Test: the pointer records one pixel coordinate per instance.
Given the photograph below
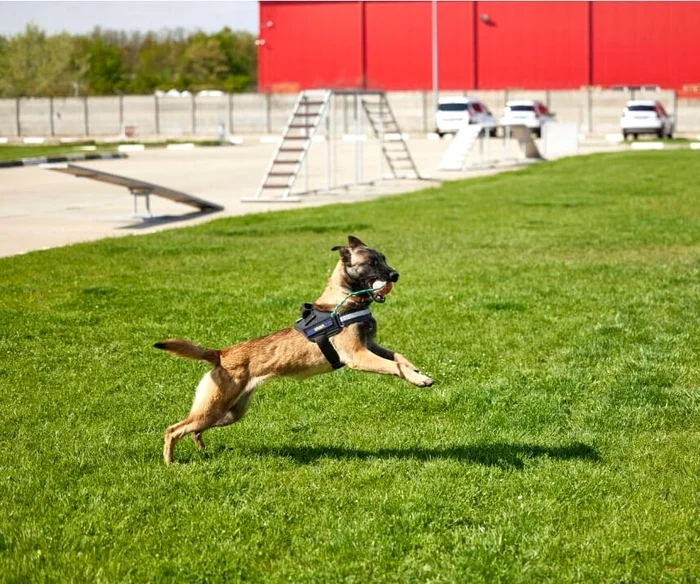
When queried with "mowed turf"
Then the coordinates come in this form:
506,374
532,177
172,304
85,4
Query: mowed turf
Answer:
556,308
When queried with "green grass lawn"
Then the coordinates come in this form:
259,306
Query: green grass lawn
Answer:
15,152
556,308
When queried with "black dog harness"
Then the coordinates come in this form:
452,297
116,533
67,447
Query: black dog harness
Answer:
318,326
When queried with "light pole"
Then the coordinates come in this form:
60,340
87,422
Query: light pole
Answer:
434,34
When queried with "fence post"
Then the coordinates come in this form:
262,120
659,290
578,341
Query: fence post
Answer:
194,115
230,113
425,111
51,114
122,130
157,114
85,115
590,110
268,112
17,122
675,110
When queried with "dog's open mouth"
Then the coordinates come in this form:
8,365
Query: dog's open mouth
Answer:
380,289
377,297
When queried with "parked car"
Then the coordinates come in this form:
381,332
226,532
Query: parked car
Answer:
645,116
452,112
531,113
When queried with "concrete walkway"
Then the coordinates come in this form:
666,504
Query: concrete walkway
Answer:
41,209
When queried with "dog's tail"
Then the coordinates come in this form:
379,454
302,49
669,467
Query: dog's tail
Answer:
189,350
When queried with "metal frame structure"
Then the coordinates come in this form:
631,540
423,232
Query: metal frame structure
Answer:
313,110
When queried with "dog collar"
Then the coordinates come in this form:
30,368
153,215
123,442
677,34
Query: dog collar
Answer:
318,326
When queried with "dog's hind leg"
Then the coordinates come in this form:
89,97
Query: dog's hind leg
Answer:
190,425
197,438
210,405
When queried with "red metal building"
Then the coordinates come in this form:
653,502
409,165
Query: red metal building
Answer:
416,45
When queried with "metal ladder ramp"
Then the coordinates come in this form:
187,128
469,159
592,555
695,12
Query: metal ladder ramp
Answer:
307,115
137,188
386,128
461,146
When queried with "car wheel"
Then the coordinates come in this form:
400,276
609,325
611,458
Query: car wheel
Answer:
660,133
537,132
624,136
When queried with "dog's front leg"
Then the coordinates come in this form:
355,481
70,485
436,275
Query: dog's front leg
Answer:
399,366
392,356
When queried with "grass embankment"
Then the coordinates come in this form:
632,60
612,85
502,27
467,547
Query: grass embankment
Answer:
18,152
556,308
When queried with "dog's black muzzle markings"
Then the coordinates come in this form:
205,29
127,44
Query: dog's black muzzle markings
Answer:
318,326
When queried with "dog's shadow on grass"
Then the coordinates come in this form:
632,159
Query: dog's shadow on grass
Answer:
499,454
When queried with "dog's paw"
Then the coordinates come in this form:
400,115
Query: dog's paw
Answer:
422,381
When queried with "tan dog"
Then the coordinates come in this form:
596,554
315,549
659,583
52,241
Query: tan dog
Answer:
223,394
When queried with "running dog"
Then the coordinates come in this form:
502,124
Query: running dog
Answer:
336,330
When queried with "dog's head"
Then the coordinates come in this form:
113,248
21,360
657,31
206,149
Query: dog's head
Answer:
363,266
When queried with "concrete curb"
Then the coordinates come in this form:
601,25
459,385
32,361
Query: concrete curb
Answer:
51,159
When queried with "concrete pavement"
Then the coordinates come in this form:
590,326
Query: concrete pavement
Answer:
41,209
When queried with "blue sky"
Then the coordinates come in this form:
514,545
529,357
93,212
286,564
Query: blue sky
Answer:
82,16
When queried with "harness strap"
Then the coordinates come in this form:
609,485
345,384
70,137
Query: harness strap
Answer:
319,326
329,352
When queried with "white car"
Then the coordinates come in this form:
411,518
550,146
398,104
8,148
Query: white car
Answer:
531,113
452,112
645,116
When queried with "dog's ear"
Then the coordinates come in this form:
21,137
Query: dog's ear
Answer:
345,253
354,242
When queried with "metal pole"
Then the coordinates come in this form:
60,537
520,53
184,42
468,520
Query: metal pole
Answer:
85,113
230,113
53,132
328,143
434,34
335,137
358,170
122,130
156,112
306,158
17,122
194,115
381,139
675,110
268,104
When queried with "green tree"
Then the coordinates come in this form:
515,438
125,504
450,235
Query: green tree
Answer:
104,68
108,62
32,64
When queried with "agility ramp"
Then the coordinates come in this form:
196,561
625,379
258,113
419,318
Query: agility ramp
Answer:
470,150
314,119
139,189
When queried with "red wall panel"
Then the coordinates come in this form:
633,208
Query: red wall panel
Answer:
646,43
398,45
489,44
310,45
456,45
532,45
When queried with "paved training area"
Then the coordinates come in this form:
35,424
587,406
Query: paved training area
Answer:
40,209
